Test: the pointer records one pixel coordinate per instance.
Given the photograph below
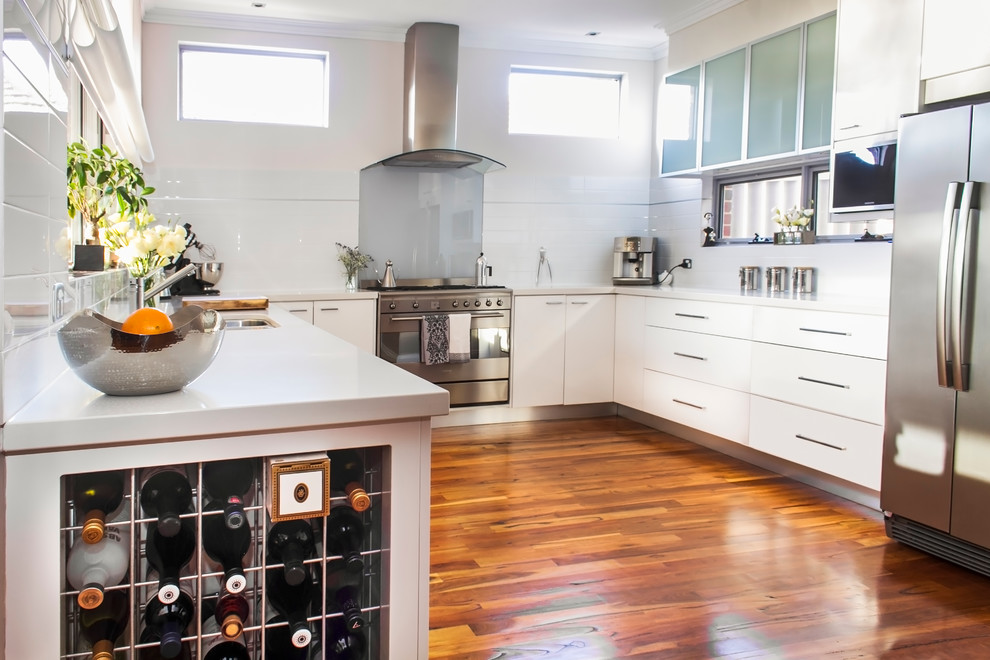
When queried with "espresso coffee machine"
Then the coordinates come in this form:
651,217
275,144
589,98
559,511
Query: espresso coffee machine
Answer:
634,260
201,282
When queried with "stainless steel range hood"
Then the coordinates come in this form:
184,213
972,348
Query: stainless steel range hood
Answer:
429,131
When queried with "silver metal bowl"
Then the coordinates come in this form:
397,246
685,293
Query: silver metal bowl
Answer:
125,364
209,271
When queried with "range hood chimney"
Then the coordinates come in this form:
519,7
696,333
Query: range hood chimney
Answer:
429,132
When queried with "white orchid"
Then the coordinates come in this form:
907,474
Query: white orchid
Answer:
139,245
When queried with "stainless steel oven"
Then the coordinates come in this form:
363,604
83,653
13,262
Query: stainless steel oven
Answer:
484,378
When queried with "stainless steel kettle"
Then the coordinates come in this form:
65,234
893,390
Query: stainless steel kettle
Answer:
388,279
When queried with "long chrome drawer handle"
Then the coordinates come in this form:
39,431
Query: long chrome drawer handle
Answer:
555,302
691,316
483,315
827,332
685,403
693,357
329,309
818,442
823,382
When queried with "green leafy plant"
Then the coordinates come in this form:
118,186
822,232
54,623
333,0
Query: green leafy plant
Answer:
100,183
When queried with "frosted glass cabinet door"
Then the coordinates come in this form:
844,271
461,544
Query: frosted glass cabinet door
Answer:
773,95
679,120
725,85
819,73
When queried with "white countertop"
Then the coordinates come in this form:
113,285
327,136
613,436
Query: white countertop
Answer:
830,303
273,379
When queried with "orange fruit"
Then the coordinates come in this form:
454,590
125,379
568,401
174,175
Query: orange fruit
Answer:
147,321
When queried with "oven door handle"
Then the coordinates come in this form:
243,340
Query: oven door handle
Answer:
481,315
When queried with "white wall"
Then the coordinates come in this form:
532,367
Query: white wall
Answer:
274,199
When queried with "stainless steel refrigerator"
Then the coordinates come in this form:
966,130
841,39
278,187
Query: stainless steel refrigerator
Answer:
935,488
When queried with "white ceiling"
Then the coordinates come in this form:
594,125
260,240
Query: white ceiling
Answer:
544,25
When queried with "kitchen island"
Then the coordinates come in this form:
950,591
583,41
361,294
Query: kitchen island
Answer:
272,392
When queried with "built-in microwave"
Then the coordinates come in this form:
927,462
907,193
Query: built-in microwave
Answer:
862,178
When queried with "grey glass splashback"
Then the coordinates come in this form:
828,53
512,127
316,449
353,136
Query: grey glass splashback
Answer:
428,221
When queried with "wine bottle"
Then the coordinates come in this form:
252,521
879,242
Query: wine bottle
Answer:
278,642
166,494
95,496
343,642
167,555
347,475
227,650
292,602
291,542
105,623
227,546
230,614
168,621
153,636
92,567
344,595
228,482
345,536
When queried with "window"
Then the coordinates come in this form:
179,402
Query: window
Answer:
252,85
559,102
746,201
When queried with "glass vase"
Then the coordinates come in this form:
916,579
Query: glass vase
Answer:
351,283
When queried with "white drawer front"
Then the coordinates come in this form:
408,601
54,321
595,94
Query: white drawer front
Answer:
709,408
711,318
841,384
852,334
844,448
723,361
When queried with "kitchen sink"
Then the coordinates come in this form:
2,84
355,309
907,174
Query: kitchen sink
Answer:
250,322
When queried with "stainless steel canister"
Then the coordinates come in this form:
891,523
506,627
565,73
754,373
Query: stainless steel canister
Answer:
803,279
776,279
749,278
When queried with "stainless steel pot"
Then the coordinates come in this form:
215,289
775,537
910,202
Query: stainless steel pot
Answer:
749,278
803,279
776,279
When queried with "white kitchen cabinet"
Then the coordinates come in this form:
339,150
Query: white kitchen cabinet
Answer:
630,322
351,320
837,332
842,447
886,34
955,51
562,349
302,309
709,318
722,361
716,410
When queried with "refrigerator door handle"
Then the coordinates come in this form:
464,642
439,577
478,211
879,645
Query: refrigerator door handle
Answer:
941,287
958,321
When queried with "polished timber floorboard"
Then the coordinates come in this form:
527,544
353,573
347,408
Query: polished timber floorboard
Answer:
601,538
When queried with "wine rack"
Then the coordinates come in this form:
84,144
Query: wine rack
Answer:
202,578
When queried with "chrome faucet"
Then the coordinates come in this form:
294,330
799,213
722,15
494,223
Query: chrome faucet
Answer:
141,296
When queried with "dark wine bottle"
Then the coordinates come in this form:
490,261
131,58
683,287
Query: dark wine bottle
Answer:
227,546
344,595
231,612
168,554
343,642
166,494
292,602
278,642
345,536
347,475
168,621
228,482
95,496
153,636
227,650
291,542
102,625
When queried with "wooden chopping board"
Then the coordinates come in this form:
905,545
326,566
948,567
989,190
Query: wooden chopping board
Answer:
225,303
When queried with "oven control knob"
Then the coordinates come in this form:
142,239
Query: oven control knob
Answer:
391,305
454,303
477,303
499,302
488,303
467,302
415,305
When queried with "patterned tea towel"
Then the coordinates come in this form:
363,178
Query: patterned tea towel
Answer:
436,339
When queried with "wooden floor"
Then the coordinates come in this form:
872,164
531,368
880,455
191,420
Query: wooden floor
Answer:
601,538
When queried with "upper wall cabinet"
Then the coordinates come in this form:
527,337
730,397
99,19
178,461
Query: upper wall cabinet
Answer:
955,51
877,60
771,98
